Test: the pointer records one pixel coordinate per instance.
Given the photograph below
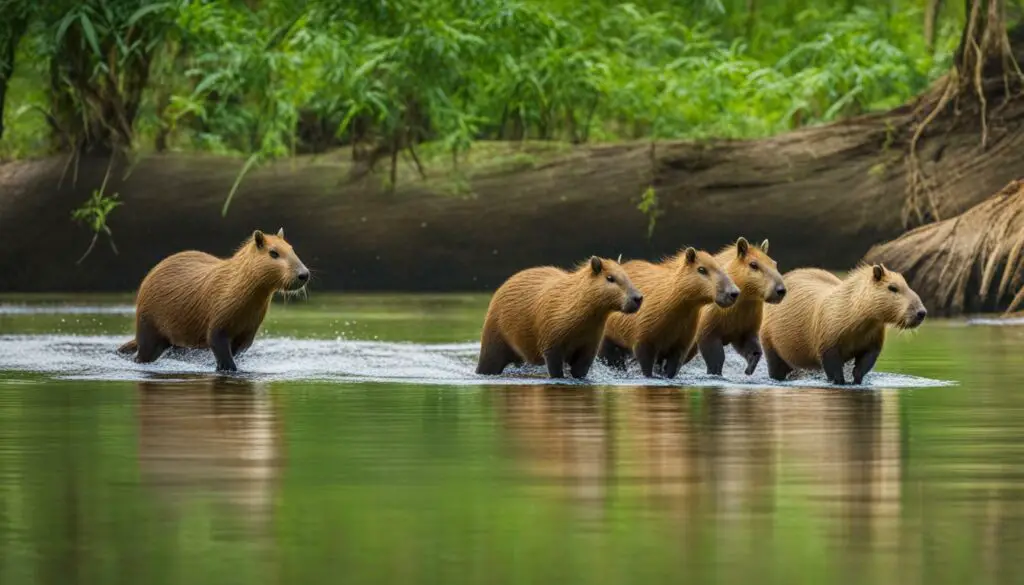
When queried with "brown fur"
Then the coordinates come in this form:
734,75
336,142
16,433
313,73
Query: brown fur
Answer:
195,300
665,329
546,315
824,322
756,275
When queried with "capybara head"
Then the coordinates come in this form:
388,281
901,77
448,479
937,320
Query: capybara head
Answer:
701,273
756,273
277,261
890,299
610,284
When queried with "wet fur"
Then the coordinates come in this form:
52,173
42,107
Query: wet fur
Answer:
547,315
739,324
825,321
196,300
664,329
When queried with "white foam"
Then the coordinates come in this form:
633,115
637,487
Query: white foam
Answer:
996,321
38,309
280,358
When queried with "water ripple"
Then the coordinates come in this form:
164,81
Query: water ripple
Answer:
281,358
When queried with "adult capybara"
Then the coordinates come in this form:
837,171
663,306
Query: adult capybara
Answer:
195,300
757,276
665,329
825,322
547,315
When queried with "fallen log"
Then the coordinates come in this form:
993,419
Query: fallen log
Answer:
971,263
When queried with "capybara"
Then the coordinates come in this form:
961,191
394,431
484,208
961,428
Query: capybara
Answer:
825,322
547,315
665,329
193,299
757,276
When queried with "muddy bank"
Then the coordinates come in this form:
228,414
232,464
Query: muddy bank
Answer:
823,196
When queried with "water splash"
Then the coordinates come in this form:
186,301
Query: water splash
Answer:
996,321
280,358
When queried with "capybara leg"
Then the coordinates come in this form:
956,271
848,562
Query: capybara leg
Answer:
750,349
242,342
713,352
613,354
581,361
645,354
220,343
778,369
495,354
863,364
670,363
555,361
151,343
832,363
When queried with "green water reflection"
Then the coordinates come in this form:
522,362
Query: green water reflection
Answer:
231,481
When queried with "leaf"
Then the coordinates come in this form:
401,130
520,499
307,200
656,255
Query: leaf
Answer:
148,9
90,34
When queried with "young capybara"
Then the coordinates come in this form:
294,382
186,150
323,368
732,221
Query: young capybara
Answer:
195,300
757,276
665,329
825,322
547,315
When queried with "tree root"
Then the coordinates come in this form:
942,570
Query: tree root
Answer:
972,262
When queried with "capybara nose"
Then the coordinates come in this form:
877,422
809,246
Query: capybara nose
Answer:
304,276
780,292
638,300
921,315
734,294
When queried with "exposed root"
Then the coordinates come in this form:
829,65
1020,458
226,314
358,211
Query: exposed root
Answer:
972,262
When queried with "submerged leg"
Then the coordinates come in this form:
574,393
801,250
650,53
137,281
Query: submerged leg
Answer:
713,352
555,360
778,369
220,343
151,344
613,354
645,354
495,354
750,349
832,363
863,364
581,361
671,362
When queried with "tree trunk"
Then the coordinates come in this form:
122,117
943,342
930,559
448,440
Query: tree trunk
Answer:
969,263
13,30
931,21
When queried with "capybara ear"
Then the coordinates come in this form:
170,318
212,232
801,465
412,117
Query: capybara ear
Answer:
595,264
742,246
691,255
257,237
764,246
878,271
280,232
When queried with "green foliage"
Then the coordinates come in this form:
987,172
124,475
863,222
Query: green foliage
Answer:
294,76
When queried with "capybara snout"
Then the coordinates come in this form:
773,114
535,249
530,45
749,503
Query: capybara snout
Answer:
727,292
633,301
780,293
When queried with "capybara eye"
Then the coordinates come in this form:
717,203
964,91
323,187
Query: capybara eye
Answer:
610,278
274,254
753,265
702,270
894,288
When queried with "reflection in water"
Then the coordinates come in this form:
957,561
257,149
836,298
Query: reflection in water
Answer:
214,441
689,456
561,434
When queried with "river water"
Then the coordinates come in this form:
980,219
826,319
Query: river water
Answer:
357,446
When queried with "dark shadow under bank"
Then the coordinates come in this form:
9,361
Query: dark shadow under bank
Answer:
823,196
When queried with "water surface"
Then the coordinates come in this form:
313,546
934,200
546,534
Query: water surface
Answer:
357,446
